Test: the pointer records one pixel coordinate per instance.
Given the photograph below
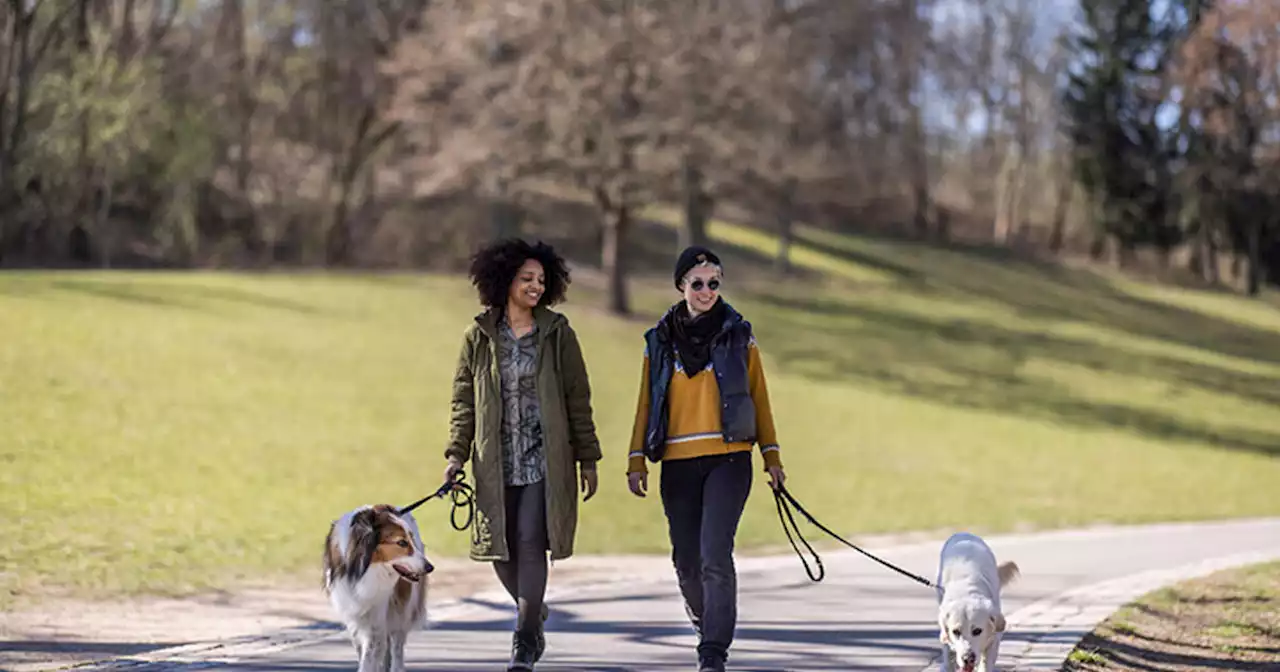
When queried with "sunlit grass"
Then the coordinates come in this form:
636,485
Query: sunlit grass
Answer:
167,431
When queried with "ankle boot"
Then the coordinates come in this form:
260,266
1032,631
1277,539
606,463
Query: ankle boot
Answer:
522,654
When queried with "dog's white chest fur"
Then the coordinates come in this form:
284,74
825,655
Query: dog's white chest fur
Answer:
370,602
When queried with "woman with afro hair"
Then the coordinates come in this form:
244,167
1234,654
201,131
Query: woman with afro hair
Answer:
521,415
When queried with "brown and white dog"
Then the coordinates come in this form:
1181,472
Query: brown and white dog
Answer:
375,574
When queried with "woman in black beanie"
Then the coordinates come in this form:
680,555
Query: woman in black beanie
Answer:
703,405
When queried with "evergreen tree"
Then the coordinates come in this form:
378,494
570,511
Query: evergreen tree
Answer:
1113,102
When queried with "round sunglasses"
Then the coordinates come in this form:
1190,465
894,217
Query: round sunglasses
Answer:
697,285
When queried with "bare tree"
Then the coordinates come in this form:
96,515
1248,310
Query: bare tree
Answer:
565,91
1229,71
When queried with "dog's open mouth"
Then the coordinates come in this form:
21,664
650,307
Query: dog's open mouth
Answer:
969,667
406,574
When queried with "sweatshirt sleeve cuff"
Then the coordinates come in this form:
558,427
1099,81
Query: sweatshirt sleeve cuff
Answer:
772,456
636,465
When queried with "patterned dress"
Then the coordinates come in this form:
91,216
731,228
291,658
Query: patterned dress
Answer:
522,454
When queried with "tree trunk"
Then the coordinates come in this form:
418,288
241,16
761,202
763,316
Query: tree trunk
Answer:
84,207
102,228
1098,246
786,226
1207,253
338,238
504,217
617,221
1009,196
914,146
21,42
1255,255
1057,235
697,206
1126,253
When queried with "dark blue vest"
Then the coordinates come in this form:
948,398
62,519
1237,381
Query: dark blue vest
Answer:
729,363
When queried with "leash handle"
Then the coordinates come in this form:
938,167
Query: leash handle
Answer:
783,510
462,496
782,493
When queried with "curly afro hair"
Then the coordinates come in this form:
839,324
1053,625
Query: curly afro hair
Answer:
494,268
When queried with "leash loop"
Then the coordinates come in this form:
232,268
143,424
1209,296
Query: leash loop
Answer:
785,501
785,516
462,496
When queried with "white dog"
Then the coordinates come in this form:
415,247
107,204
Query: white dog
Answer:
375,571
970,619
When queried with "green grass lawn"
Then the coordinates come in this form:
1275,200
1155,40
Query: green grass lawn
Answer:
166,431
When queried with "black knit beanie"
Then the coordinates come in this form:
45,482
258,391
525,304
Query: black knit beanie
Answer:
692,256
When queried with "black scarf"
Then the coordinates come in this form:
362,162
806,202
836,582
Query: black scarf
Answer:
693,335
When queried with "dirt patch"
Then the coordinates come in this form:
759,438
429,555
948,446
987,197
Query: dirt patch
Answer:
1226,621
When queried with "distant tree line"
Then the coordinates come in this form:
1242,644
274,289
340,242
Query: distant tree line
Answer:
1174,118
231,133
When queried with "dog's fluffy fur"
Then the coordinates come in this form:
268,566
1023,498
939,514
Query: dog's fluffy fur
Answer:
375,575
971,622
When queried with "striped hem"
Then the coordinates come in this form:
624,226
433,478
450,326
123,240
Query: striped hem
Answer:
694,437
772,446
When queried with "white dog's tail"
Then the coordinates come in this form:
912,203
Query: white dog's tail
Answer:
1008,571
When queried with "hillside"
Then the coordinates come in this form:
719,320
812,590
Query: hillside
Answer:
172,431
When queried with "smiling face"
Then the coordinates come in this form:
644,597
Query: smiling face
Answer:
701,287
968,627
528,285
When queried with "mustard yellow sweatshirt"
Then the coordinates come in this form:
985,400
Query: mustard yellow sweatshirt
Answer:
693,423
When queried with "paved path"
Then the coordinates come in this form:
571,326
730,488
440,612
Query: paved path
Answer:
862,616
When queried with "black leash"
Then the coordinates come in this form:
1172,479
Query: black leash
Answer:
783,498
463,497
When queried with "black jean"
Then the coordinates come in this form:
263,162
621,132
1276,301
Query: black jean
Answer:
703,498
524,574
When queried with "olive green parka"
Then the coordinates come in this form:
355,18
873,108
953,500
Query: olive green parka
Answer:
568,430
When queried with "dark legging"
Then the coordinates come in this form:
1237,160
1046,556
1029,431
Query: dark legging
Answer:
524,574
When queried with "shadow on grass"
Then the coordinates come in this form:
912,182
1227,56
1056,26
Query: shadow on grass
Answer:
1050,292
156,293
1147,653
978,365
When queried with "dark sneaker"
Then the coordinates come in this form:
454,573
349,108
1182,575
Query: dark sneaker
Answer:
711,661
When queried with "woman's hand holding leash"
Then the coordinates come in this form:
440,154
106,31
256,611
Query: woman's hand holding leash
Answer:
451,471
776,477
590,479
457,490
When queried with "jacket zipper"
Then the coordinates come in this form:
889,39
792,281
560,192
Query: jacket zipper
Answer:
546,453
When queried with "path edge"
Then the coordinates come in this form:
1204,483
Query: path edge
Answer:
1063,620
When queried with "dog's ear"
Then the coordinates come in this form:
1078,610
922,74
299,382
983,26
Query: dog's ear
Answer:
998,622
364,542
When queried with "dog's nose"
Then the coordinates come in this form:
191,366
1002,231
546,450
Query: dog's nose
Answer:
429,568
970,658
